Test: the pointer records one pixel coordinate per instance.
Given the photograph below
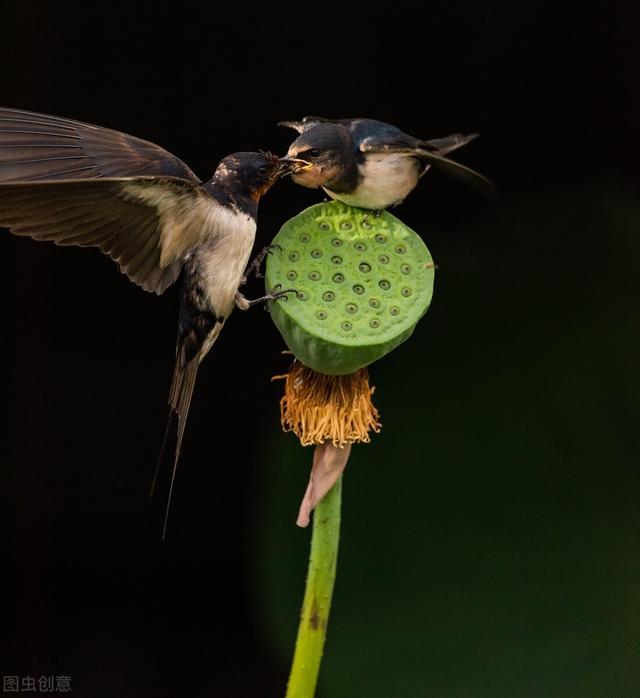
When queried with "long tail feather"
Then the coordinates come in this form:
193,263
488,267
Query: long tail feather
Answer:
163,447
184,380
180,394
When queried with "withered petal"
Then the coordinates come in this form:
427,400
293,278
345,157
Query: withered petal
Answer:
329,462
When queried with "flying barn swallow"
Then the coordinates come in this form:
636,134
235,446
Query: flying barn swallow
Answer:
368,163
79,184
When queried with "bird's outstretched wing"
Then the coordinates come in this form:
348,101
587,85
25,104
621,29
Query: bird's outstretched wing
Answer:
35,147
145,224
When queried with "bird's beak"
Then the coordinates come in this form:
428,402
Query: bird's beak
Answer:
291,165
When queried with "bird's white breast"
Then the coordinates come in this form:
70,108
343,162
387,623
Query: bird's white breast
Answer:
224,258
387,178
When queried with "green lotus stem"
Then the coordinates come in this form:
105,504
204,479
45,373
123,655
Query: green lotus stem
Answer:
317,596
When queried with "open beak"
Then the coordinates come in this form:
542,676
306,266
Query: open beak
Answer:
291,165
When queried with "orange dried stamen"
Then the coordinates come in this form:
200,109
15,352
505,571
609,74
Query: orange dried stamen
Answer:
317,407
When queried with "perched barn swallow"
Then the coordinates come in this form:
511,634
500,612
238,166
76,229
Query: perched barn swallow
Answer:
78,184
370,164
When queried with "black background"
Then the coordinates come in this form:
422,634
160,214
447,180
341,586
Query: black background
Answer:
517,395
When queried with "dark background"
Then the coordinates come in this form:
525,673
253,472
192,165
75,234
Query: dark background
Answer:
490,536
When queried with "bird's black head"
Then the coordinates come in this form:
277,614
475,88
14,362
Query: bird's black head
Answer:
321,156
249,174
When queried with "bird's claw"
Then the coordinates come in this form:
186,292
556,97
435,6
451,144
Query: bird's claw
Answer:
276,293
255,264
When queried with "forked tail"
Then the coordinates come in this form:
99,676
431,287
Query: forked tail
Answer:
180,394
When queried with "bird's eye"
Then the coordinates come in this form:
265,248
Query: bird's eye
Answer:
314,153
263,170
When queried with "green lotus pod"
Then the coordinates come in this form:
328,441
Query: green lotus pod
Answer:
363,283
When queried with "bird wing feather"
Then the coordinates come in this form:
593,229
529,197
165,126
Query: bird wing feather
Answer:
36,147
306,123
145,224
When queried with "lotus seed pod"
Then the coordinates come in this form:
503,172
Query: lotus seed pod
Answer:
363,283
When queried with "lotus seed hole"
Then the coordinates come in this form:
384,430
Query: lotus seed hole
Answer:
314,275
401,249
360,246
381,238
325,226
302,296
351,308
374,303
346,225
304,237
316,253
338,278
336,242
405,269
383,259
406,292
367,225
294,256
291,275
321,315
384,284
374,322
364,267
336,260
328,296
346,326
358,289
394,310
